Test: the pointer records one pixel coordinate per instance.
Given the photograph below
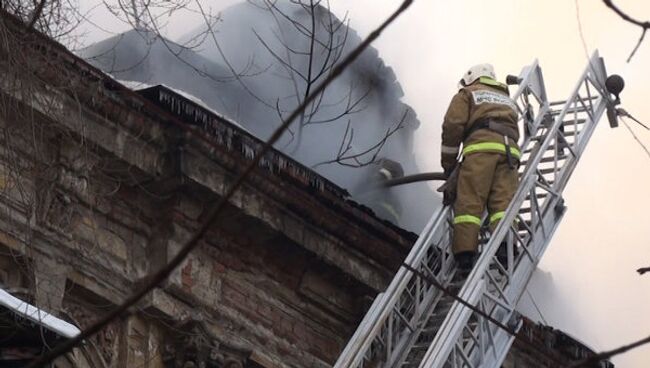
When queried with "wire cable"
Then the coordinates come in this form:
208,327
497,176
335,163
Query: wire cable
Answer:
536,307
636,137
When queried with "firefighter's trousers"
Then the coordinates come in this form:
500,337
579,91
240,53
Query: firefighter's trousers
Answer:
485,179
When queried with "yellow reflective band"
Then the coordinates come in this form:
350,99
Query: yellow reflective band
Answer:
463,219
497,216
490,146
491,82
391,210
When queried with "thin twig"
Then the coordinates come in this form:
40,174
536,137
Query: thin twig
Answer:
154,280
636,138
37,14
344,154
643,270
644,25
637,45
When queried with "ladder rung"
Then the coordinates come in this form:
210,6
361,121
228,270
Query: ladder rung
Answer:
547,159
538,195
571,110
562,102
549,170
570,133
572,122
527,222
550,148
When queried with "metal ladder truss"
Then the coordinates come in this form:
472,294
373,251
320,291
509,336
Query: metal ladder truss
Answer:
413,324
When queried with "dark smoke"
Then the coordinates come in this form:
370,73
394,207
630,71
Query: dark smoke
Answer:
264,85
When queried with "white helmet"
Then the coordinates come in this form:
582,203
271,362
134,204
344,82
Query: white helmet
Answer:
476,72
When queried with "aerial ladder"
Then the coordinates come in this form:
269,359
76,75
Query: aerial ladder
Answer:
414,324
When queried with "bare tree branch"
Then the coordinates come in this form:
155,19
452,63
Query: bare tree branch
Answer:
644,25
643,270
306,65
344,155
155,279
37,14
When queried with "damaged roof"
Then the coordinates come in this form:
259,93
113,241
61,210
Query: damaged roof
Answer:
112,100
237,139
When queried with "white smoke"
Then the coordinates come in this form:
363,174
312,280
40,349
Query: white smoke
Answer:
265,49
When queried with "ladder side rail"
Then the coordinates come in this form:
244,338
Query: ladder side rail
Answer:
455,320
531,77
539,241
580,143
356,342
593,76
524,271
445,268
502,342
552,218
521,274
426,301
448,335
531,83
374,321
458,316
444,277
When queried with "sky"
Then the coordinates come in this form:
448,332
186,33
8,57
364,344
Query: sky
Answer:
596,295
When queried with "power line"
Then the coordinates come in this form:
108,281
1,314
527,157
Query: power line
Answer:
536,307
582,36
623,112
635,137
155,279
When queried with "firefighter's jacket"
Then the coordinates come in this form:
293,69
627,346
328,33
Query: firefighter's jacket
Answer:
483,99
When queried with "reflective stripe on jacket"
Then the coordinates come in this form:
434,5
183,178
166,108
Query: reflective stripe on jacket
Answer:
491,147
483,99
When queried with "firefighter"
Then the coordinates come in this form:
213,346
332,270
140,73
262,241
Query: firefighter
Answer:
386,205
380,199
483,118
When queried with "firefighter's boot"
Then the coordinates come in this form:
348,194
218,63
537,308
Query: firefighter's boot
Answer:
465,261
